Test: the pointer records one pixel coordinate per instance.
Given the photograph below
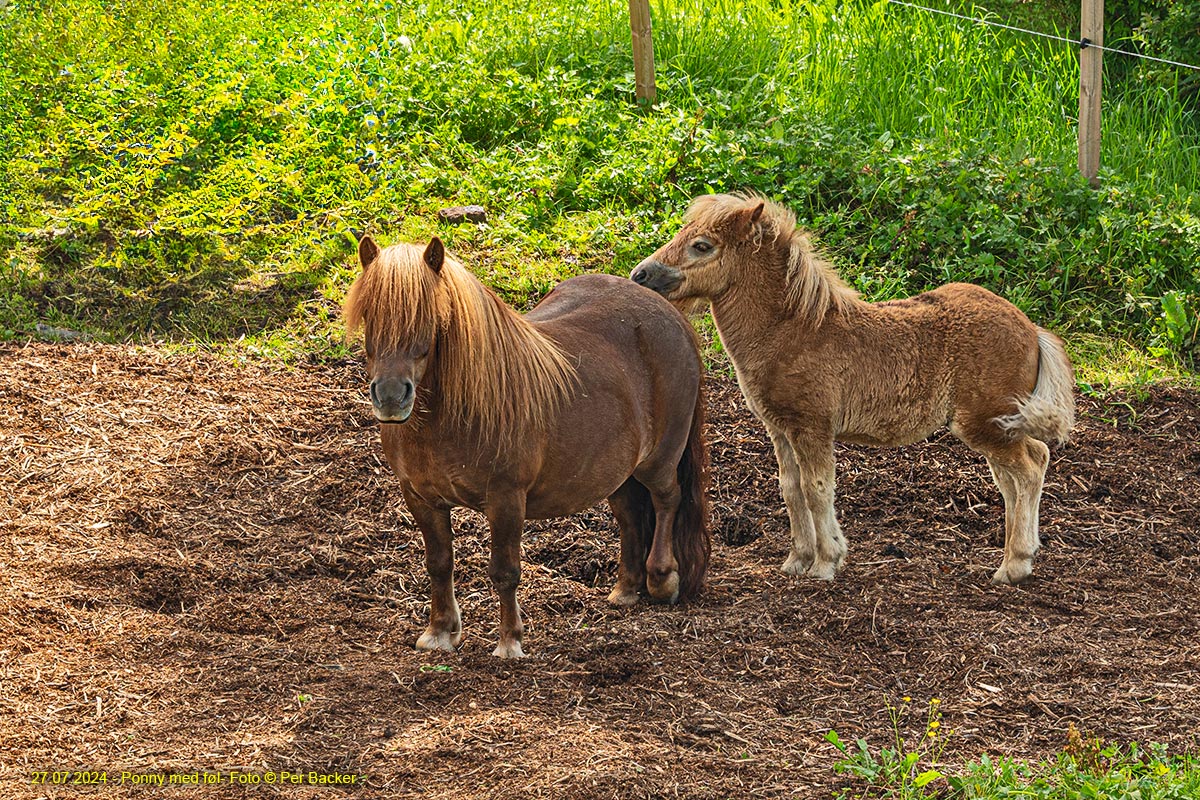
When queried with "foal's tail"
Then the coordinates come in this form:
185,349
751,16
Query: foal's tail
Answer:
691,535
1049,413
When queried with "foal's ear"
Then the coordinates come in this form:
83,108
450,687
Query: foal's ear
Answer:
749,219
435,254
368,251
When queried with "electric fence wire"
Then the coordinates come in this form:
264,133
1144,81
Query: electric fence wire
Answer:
1082,43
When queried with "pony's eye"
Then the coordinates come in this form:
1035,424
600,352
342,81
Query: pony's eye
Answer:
702,246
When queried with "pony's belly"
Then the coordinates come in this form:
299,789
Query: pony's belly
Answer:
893,432
559,493
892,439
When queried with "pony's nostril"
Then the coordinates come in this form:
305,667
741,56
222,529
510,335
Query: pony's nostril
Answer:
408,391
639,276
374,393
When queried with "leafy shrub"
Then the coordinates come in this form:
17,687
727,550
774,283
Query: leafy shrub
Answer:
185,170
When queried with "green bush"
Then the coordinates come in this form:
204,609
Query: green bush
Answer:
195,172
1170,29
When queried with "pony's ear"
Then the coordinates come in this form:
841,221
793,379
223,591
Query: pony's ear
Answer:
748,219
435,254
368,251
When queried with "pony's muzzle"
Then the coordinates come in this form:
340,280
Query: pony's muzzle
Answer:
392,398
657,277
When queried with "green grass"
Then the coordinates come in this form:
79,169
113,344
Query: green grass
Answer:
182,172
911,767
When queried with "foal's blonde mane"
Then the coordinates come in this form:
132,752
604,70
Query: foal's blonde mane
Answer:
813,285
492,367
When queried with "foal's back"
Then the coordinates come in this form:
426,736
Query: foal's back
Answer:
958,355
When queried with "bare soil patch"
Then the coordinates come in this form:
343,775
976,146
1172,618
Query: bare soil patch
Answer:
205,566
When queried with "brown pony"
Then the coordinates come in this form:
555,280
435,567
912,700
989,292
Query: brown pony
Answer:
595,393
818,364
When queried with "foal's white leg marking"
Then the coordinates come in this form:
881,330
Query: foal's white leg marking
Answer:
819,475
831,544
804,535
1021,486
622,597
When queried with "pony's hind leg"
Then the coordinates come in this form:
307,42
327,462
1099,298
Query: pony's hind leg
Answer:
445,621
506,517
662,570
629,505
807,484
1019,470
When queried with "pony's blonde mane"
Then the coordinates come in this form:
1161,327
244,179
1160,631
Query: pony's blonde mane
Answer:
491,366
813,285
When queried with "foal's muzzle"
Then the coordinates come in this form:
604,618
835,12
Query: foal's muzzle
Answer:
392,398
657,277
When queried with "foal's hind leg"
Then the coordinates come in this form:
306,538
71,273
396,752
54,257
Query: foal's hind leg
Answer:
631,572
1019,469
445,621
806,480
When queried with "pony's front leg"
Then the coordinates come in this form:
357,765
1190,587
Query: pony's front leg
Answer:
445,620
818,475
804,534
806,479
662,569
506,517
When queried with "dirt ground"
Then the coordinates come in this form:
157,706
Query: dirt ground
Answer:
206,567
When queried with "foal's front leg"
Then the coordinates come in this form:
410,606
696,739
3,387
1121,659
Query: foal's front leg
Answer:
506,517
804,534
445,620
806,479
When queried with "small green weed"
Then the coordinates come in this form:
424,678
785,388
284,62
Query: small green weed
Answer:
908,768
1086,769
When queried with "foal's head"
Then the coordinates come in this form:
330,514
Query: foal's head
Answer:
701,262
728,239
396,304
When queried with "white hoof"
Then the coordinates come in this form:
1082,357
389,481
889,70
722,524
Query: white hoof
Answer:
439,640
823,570
796,564
623,598
1013,572
509,649
667,591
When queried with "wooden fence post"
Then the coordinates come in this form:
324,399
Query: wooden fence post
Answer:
1091,32
643,50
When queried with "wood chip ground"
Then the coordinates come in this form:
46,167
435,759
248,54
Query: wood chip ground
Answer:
206,566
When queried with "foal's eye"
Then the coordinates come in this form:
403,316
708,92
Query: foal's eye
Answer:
702,246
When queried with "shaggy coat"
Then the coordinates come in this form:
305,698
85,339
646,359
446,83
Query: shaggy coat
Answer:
596,393
818,364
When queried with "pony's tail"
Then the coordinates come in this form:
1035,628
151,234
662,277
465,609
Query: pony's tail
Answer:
1049,413
691,537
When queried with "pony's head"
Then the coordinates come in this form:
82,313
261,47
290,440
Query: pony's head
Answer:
427,321
398,304
728,239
